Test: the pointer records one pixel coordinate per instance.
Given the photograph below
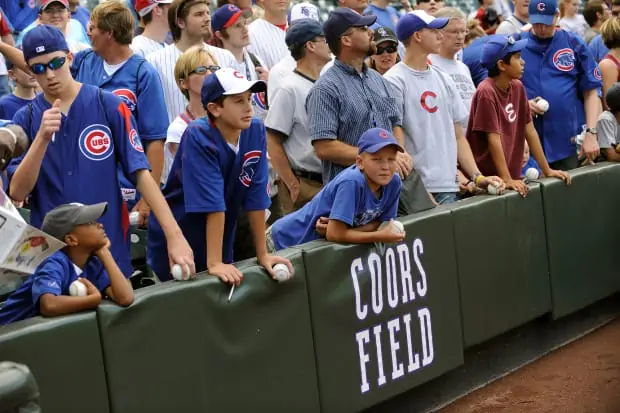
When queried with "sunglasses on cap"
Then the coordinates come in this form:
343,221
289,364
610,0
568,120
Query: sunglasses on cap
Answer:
54,64
387,49
201,70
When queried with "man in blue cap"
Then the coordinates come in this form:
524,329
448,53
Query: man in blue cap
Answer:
288,136
560,69
350,98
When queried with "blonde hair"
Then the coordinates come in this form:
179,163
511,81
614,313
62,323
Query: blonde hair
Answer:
474,31
450,13
562,6
188,62
115,17
610,32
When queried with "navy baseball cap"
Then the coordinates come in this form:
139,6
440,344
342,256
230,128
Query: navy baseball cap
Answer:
226,82
341,19
226,16
497,47
373,140
543,11
418,20
43,39
303,31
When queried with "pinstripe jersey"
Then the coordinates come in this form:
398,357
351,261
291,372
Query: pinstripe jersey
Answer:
267,42
143,46
164,60
343,104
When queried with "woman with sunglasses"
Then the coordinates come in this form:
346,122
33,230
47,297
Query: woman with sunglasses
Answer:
189,72
387,51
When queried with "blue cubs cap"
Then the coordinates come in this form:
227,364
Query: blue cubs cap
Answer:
341,19
302,11
418,20
497,47
373,140
303,31
43,39
226,16
225,82
543,11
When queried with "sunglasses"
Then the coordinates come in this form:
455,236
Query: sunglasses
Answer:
201,70
54,64
387,49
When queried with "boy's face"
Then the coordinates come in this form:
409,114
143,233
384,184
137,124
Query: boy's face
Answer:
515,69
53,81
238,33
430,40
380,166
90,236
22,78
235,111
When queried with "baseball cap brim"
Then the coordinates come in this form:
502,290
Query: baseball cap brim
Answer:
254,86
438,23
378,146
516,47
386,40
90,213
542,19
365,21
52,2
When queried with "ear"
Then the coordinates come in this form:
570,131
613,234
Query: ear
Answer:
214,109
218,35
71,240
359,162
345,41
184,84
501,65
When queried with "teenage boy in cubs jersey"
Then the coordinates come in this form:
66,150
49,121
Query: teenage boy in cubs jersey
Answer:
79,137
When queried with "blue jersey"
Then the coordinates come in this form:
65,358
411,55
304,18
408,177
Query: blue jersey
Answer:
598,48
20,13
559,70
53,276
96,137
82,15
387,17
10,104
471,57
207,176
346,198
77,32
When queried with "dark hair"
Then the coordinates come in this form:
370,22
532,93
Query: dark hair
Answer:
183,7
298,51
494,71
220,102
613,98
591,11
217,42
334,45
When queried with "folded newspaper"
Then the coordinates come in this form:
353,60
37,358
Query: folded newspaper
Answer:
22,247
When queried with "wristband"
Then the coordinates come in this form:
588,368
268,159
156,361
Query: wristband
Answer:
10,132
478,177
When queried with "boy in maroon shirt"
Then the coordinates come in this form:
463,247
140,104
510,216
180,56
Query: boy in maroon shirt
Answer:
500,120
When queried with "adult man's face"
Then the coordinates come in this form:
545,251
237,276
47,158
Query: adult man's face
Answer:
357,5
360,40
56,14
454,35
544,31
430,6
276,7
198,22
522,7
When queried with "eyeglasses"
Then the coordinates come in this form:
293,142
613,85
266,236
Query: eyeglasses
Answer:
54,64
201,70
388,49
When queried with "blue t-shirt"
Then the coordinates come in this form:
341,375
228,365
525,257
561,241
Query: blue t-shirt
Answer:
598,48
471,57
387,17
207,176
531,163
77,32
53,276
346,198
82,15
20,13
10,104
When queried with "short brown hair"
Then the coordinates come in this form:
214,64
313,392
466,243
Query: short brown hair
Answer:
188,62
114,17
592,10
179,9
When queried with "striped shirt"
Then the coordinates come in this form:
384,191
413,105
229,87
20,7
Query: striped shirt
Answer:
343,104
164,61
267,42
144,46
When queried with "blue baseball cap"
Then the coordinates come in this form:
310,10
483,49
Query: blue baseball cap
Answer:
543,11
303,31
418,20
225,82
497,47
341,19
226,16
373,140
43,39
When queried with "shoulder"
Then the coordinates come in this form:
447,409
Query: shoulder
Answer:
606,116
395,71
57,262
159,55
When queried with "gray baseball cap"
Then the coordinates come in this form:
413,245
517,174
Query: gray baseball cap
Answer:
61,220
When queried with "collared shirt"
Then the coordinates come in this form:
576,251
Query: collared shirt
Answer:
343,104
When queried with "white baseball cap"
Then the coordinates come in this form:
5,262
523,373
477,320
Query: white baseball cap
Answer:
144,7
304,11
225,82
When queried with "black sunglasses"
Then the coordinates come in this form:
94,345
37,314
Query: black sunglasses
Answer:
54,64
201,70
387,49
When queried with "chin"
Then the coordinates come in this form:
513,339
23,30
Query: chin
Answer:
244,124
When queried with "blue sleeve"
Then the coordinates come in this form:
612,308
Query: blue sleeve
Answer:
21,118
127,144
258,194
77,62
95,273
391,204
48,279
153,119
203,183
588,70
345,202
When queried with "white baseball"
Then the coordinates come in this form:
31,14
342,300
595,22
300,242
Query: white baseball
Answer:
397,226
531,173
542,105
492,189
77,289
134,217
282,272
177,273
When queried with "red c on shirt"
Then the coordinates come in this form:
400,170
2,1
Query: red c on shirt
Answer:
425,106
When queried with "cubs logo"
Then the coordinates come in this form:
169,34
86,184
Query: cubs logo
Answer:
96,142
425,105
564,60
128,97
541,7
597,73
232,7
135,141
258,100
238,75
248,167
383,134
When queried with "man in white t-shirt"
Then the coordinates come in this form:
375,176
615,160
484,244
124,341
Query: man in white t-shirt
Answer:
267,33
154,16
190,23
518,20
453,41
432,110
288,140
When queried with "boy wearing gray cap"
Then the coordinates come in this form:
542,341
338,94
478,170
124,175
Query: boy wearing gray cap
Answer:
46,292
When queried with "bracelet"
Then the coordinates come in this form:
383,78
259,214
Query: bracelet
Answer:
10,132
478,177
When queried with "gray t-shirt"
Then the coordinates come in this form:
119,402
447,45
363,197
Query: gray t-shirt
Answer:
459,72
607,130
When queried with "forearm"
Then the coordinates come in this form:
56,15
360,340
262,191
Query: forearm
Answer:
14,55
152,195
611,155
592,105
352,236
120,290
279,160
497,154
57,305
8,39
155,155
27,173
533,141
370,227
399,134
466,157
335,151
257,225
215,237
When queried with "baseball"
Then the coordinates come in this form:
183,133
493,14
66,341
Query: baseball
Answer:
282,272
133,218
492,189
77,289
542,105
531,173
397,226
177,273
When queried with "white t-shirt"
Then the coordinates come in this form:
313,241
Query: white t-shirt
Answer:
511,25
143,46
175,131
287,114
247,68
267,42
431,106
576,24
459,72
608,130
164,60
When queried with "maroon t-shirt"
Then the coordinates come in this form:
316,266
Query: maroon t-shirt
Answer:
503,112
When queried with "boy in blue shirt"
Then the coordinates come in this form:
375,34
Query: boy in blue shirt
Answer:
24,93
220,167
356,201
87,254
